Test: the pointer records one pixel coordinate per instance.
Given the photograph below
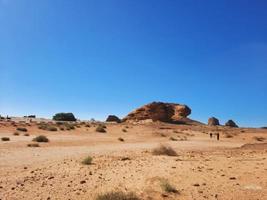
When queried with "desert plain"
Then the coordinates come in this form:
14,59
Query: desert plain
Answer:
234,167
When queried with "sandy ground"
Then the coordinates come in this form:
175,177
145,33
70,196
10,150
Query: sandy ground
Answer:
233,168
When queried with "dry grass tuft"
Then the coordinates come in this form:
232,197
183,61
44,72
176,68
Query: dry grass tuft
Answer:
5,139
260,139
33,145
163,150
47,127
40,138
87,161
101,128
22,129
167,187
118,196
172,139
16,133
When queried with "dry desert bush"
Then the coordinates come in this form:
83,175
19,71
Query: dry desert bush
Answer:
16,133
22,129
41,138
101,128
5,139
172,139
167,187
121,139
260,139
33,145
164,150
47,127
118,196
87,161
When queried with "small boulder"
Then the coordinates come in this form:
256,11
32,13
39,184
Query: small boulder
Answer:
231,123
213,122
113,118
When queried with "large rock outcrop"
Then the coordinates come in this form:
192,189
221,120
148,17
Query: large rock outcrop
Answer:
231,123
213,122
159,111
64,117
113,118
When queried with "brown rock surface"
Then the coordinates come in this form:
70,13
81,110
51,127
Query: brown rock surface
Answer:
113,118
213,121
231,123
159,111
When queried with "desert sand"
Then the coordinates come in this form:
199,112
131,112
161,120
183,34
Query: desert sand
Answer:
235,167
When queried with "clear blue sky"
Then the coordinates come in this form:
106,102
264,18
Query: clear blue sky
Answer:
100,57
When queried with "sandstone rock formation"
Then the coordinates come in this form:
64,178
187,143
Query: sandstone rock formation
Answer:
231,123
213,122
159,111
113,118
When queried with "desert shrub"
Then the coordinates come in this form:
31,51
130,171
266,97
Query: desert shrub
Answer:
5,139
167,187
59,123
100,129
228,135
52,128
47,127
118,196
102,125
124,130
22,129
87,161
69,126
162,135
26,134
260,139
121,139
64,117
172,139
163,150
33,145
61,128
43,126
16,133
87,125
40,138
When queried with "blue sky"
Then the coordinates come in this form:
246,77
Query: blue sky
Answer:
100,57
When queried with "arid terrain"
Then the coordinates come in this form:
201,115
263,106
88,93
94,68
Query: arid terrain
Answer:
235,167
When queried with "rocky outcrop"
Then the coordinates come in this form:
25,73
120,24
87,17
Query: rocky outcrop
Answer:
159,111
231,123
213,122
113,118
